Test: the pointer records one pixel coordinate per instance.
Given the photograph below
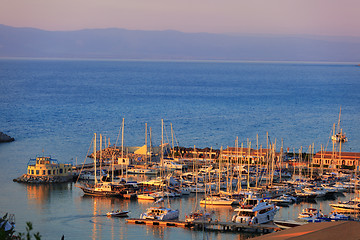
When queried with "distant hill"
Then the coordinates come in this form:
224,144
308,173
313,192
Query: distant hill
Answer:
130,44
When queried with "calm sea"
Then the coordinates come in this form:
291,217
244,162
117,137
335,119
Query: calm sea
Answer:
55,106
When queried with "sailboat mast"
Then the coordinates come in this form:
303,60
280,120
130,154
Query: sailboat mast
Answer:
100,157
220,173
95,157
248,164
146,151
122,139
162,143
172,141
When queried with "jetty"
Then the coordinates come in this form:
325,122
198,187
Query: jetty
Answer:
208,225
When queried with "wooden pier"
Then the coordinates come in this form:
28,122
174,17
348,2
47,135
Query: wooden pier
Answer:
165,223
208,225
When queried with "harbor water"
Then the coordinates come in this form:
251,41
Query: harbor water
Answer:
53,107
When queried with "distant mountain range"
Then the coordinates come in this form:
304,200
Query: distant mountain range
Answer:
116,43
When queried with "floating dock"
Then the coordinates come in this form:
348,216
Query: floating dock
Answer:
208,225
164,223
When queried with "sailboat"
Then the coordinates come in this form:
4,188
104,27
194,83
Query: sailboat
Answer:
161,212
339,136
108,189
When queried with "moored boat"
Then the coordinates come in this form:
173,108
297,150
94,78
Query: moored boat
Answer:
352,206
286,224
258,213
215,200
199,215
160,213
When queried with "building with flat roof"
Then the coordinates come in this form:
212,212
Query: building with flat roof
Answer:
330,159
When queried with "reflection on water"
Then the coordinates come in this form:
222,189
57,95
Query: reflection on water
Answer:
40,195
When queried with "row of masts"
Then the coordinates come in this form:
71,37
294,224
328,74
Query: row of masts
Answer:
270,159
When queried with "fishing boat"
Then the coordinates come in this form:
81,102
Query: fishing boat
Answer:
160,213
117,213
261,212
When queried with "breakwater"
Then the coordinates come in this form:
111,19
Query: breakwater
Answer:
25,178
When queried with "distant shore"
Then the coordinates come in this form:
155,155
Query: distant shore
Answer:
5,138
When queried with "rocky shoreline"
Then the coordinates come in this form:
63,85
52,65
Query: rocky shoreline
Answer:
25,178
5,138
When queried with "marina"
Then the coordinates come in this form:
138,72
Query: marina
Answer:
224,149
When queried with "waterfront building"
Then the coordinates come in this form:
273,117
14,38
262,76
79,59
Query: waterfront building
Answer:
248,154
330,159
46,166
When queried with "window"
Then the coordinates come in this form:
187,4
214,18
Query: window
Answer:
37,172
54,172
44,171
32,171
29,171
61,171
49,172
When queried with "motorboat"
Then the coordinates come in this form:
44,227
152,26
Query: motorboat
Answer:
160,213
284,200
261,212
311,215
149,196
286,224
117,213
335,216
199,216
215,200
352,206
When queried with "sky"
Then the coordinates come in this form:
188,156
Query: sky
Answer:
312,17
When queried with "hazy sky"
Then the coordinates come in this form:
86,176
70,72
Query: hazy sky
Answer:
320,17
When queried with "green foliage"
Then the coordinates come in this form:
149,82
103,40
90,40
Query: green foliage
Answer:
10,234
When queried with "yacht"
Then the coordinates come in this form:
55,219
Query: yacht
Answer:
284,200
160,213
214,200
256,211
352,206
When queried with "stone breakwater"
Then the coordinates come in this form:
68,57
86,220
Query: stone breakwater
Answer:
25,178
5,138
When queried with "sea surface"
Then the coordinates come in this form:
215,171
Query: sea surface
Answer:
54,107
